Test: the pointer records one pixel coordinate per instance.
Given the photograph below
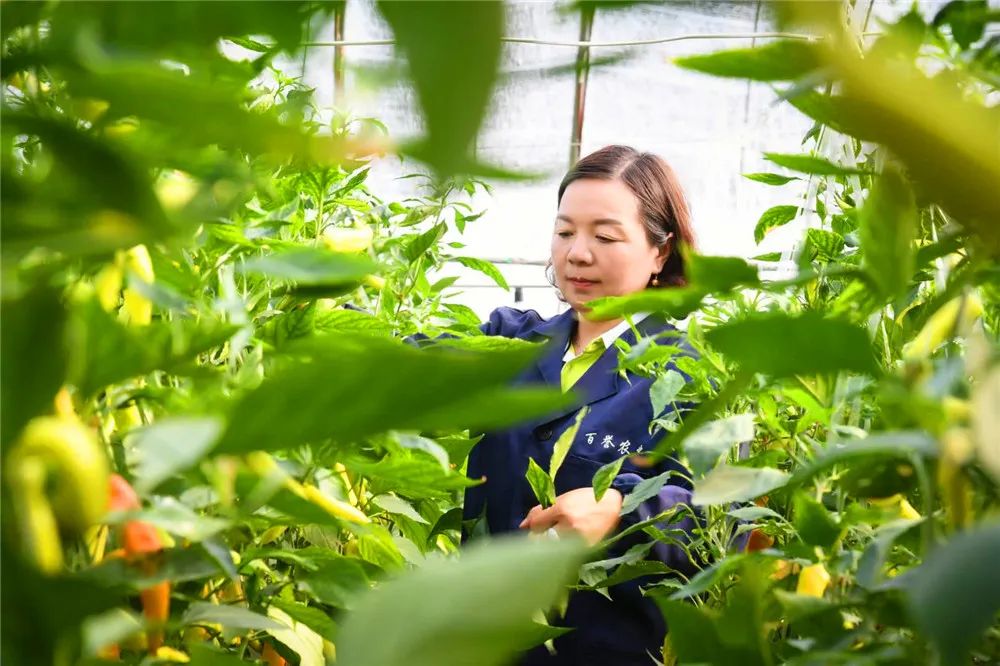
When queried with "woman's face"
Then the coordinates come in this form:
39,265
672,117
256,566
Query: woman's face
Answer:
599,245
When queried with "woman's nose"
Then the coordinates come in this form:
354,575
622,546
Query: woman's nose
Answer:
579,251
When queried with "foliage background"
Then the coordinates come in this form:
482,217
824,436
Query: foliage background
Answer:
870,374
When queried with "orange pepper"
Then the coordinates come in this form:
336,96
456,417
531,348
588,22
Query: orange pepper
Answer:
139,538
271,656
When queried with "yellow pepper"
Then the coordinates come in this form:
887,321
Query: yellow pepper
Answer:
355,239
374,281
71,450
898,505
108,285
64,404
37,527
335,508
942,324
90,109
272,534
136,308
813,581
164,653
175,189
264,465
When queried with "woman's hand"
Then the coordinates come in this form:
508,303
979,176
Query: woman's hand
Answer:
578,511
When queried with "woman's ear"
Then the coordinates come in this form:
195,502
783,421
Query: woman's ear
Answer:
664,253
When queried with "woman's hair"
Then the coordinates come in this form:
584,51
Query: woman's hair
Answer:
663,210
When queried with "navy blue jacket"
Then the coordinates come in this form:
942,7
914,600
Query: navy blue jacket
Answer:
628,629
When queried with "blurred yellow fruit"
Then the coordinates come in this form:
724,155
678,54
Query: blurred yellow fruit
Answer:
340,239
164,653
90,109
175,189
108,285
64,404
374,281
68,448
955,315
121,128
137,309
813,581
898,505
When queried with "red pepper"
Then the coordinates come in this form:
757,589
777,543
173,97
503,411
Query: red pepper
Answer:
122,496
759,541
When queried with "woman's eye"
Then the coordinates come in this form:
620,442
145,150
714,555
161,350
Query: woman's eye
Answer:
605,239
564,234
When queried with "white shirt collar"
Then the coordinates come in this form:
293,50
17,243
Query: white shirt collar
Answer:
609,336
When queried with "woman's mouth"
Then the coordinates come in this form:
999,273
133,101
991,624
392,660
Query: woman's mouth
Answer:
581,283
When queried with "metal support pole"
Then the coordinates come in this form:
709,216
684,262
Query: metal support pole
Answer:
582,69
339,12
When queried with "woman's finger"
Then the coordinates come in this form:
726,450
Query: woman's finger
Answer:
539,519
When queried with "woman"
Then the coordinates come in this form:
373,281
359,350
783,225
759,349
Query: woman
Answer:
621,221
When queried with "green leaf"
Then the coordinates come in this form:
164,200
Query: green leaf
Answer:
453,53
209,655
824,245
967,20
109,194
644,490
693,636
773,217
889,223
342,320
677,302
773,179
813,165
337,581
780,60
178,519
782,345
902,444
297,637
704,446
231,617
429,389
177,565
796,607
411,475
169,446
726,484
475,619
33,362
183,26
563,444
541,484
110,627
396,505
104,352
754,513
877,551
954,163
719,274
420,243
954,596
815,525
312,266
604,476
663,391
486,268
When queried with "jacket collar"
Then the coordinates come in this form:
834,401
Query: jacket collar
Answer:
602,378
